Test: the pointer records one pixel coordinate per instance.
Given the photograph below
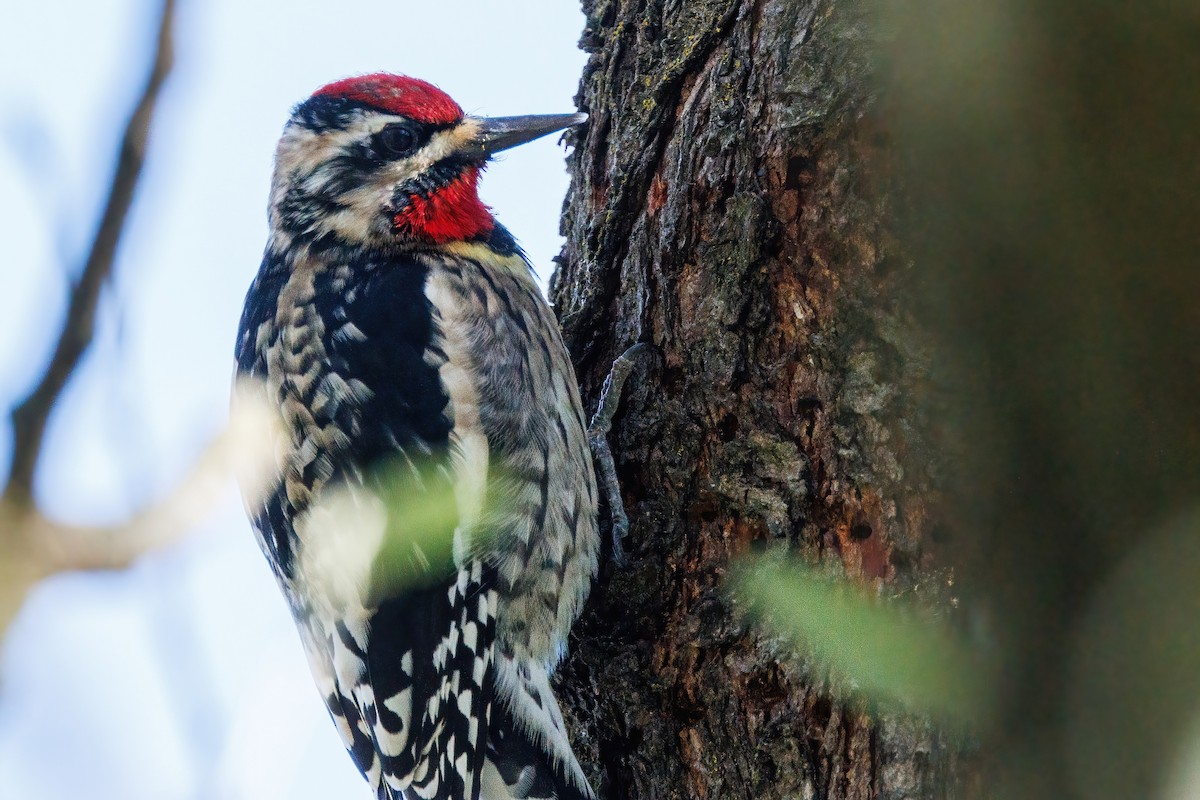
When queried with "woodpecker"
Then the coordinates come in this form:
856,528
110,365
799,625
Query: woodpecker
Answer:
426,399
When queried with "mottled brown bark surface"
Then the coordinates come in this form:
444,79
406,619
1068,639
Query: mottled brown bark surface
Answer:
731,205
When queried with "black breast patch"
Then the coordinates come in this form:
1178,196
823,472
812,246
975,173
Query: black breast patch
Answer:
378,335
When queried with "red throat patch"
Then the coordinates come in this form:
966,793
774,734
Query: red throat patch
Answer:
399,94
453,212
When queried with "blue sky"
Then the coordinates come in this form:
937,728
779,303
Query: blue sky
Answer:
183,677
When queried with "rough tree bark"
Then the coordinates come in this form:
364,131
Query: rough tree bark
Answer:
731,205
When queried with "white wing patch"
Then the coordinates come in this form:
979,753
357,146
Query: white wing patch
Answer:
339,539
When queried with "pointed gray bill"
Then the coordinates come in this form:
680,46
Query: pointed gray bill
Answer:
501,133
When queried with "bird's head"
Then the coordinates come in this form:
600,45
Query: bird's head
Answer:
385,158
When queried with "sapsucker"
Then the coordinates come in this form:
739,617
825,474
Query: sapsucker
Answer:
433,520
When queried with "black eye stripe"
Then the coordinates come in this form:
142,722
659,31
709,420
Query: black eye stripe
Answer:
402,139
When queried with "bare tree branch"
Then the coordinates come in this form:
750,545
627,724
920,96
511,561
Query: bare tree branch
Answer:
33,546
30,416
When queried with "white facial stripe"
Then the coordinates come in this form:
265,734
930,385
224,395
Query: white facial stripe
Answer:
304,158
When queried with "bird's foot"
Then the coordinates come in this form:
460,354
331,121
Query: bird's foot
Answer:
610,398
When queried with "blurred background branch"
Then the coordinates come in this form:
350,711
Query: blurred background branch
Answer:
30,416
34,545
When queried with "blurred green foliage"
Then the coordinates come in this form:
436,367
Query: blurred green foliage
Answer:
884,650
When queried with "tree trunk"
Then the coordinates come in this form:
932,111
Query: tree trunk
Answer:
731,205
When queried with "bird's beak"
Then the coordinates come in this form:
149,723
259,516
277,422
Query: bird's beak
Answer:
500,133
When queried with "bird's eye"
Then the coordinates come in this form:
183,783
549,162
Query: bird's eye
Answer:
398,140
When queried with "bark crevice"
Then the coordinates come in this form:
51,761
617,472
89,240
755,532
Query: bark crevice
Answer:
731,206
